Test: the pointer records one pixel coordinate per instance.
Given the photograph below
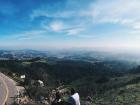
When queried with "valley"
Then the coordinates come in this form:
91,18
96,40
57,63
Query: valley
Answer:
115,82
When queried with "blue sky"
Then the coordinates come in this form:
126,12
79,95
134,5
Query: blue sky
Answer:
42,24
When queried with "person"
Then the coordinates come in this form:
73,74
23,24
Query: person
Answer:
74,99
57,100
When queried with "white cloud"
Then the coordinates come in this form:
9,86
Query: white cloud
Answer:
63,27
125,12
27,35
56,26
43,12
74,31
136,25
72,10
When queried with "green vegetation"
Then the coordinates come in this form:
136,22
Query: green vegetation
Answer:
99,80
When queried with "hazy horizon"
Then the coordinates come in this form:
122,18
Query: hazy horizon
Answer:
135,52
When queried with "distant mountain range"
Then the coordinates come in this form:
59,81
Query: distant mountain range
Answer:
20,54
87,55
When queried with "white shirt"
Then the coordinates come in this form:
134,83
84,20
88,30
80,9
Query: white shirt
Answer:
74,99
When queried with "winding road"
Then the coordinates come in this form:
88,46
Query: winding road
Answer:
7,90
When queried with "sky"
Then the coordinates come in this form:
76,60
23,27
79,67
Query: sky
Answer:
42,24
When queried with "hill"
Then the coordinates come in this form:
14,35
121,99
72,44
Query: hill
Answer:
108,83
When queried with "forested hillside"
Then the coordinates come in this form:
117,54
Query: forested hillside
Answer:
107,83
